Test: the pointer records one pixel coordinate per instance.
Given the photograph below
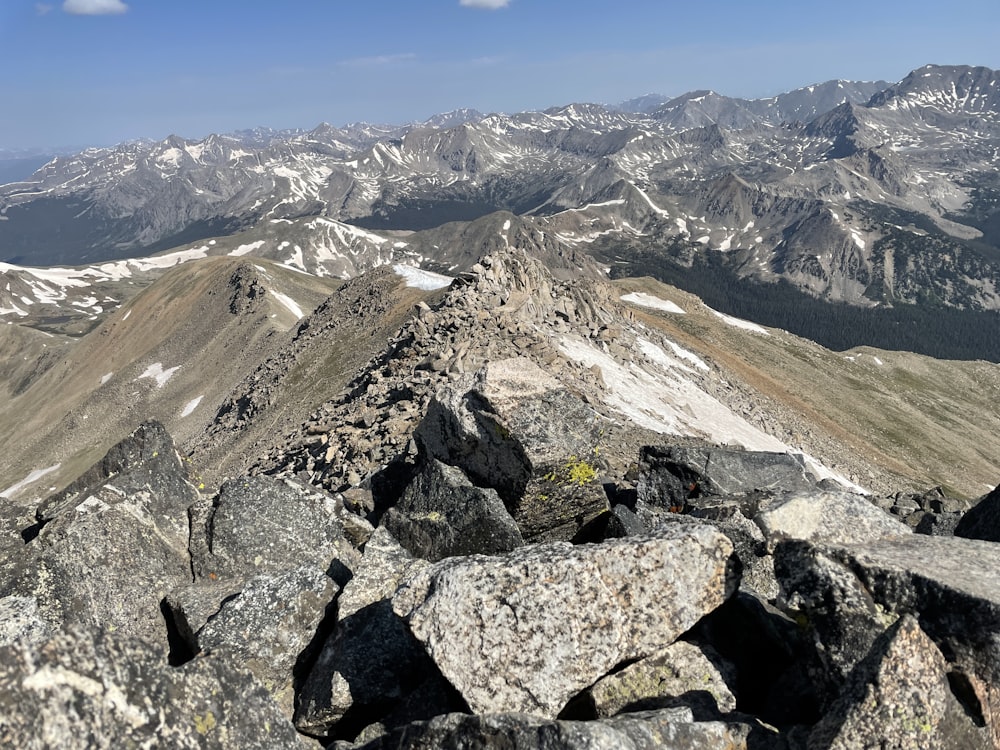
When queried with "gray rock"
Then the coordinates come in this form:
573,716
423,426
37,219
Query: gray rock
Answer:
652,730
113,543
850,594
105,563
269,624
100,690
516,429
900,695
676,475
371,662
442,514
260,523
982,521
21,621
839,517
682,671
528,630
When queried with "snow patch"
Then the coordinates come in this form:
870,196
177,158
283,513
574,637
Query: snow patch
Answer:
746,325
191,405
244,249
655,303
417,278
157,373
106,377
32,477
289,303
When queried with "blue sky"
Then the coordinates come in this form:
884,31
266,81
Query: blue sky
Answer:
98,72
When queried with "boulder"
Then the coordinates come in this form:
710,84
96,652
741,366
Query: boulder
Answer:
99,689
817,516
982,521
527,630
674,476
442,514
850,594
650,730
260,524
899,693
110,546
269,624
514,428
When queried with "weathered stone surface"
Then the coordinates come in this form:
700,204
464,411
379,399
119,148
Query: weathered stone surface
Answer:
372,661
442,514
680,671
94,689
677,475
982,521
899,696
111,545
269,624
839,517
260,523
849,594
21,621
105,563
527,630
651,730
516,429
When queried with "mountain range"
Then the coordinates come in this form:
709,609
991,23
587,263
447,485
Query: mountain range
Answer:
871,194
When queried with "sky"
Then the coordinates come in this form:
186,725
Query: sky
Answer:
77,73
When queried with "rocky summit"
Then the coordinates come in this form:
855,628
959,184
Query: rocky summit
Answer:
517,508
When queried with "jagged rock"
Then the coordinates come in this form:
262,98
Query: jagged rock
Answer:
850,594
516,429
820,517
650,730
261,523
682,672
442,514
527,630
676,475
982,521
269,624
114,543
102,690
371,662
899,694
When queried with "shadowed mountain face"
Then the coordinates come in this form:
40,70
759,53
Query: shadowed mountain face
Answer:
866,193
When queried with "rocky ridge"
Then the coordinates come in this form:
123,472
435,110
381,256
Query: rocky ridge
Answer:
532,520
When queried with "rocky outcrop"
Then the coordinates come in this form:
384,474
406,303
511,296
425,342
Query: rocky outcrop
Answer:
982,521
850,594
442,514
111,546
516,429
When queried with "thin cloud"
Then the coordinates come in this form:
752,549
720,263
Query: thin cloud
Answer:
94,7
486,4
379,60
43,9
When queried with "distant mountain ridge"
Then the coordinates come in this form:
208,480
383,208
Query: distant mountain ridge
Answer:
864,193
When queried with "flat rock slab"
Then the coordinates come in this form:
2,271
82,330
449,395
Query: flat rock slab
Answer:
838,517
528,630
87,688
